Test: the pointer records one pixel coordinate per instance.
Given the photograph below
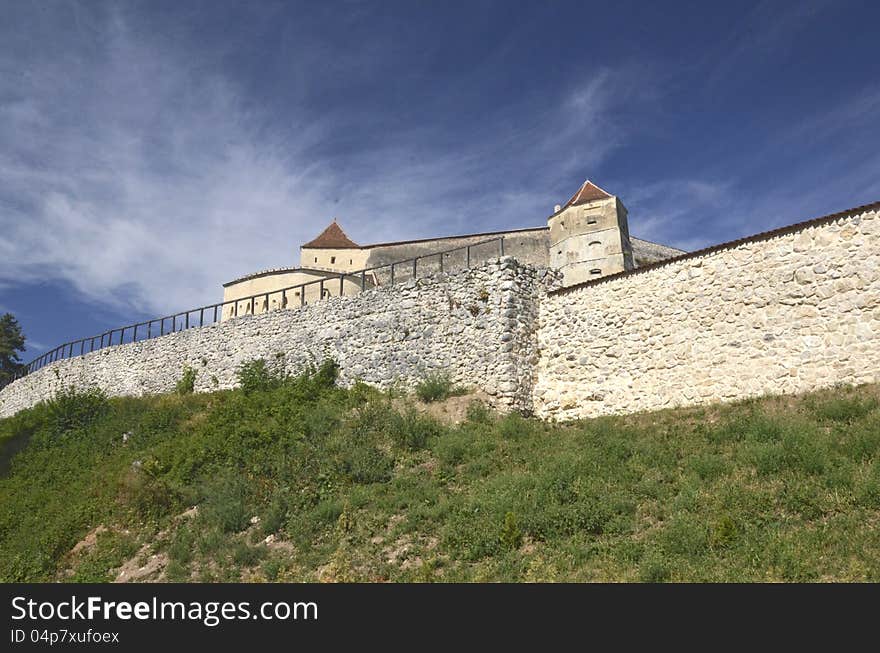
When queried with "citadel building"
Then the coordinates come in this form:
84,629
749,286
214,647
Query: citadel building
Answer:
586,238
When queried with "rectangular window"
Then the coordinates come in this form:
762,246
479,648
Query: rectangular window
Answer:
332,260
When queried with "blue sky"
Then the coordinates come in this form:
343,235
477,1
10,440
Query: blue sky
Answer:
150,151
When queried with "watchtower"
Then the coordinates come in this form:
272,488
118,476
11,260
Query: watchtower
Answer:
589,236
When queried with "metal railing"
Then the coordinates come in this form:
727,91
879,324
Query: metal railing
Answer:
213,313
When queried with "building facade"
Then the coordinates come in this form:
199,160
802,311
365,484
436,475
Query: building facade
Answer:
586,238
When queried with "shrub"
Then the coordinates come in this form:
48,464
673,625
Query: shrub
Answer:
187,383
225,504
366,463
257,376
412,431
437,387
71,409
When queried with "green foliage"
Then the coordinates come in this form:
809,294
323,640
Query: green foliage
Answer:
510,537
845,409
437,387
74,410
258,376
11,343
360,485
225,504
187,383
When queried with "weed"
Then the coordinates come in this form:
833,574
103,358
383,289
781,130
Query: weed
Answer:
187,383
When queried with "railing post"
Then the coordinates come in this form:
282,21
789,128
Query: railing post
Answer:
321,290
468,263
187,320
215,312
283,299
135,338
501,244
363,280
415,268
236,308
302,295
252,305
392,274
201,317
441,261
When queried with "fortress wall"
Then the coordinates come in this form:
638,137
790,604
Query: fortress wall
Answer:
477,325
790,313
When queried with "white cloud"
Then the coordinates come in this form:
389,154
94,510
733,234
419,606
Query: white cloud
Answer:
146,182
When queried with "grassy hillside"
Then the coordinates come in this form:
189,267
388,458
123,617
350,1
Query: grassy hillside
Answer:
297,480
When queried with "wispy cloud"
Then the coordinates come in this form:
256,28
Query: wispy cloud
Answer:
768,29
145,181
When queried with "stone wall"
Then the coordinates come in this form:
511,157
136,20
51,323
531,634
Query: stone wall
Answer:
476,325
788,312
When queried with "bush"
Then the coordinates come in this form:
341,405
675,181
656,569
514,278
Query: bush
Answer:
187,383
225,505
412,431
257,376
437,387
71,409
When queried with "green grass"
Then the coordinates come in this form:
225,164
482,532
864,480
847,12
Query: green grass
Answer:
359,486
437,387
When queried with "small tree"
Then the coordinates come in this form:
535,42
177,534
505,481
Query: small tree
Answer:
11,342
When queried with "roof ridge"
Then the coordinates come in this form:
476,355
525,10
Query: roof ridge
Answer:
333,237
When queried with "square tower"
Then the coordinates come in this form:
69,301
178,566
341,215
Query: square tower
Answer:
589,236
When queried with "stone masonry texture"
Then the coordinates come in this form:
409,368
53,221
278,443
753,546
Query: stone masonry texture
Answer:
787,312
476,325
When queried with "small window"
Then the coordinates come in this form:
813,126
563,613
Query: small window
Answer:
332,260
595,242
316,259
595,271
591,221
351,261
296,294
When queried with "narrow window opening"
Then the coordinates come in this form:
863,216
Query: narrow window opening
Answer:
316,259
595,242
595,271
332,260
591,221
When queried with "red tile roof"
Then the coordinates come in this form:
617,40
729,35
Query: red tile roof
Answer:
333,237
589,192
